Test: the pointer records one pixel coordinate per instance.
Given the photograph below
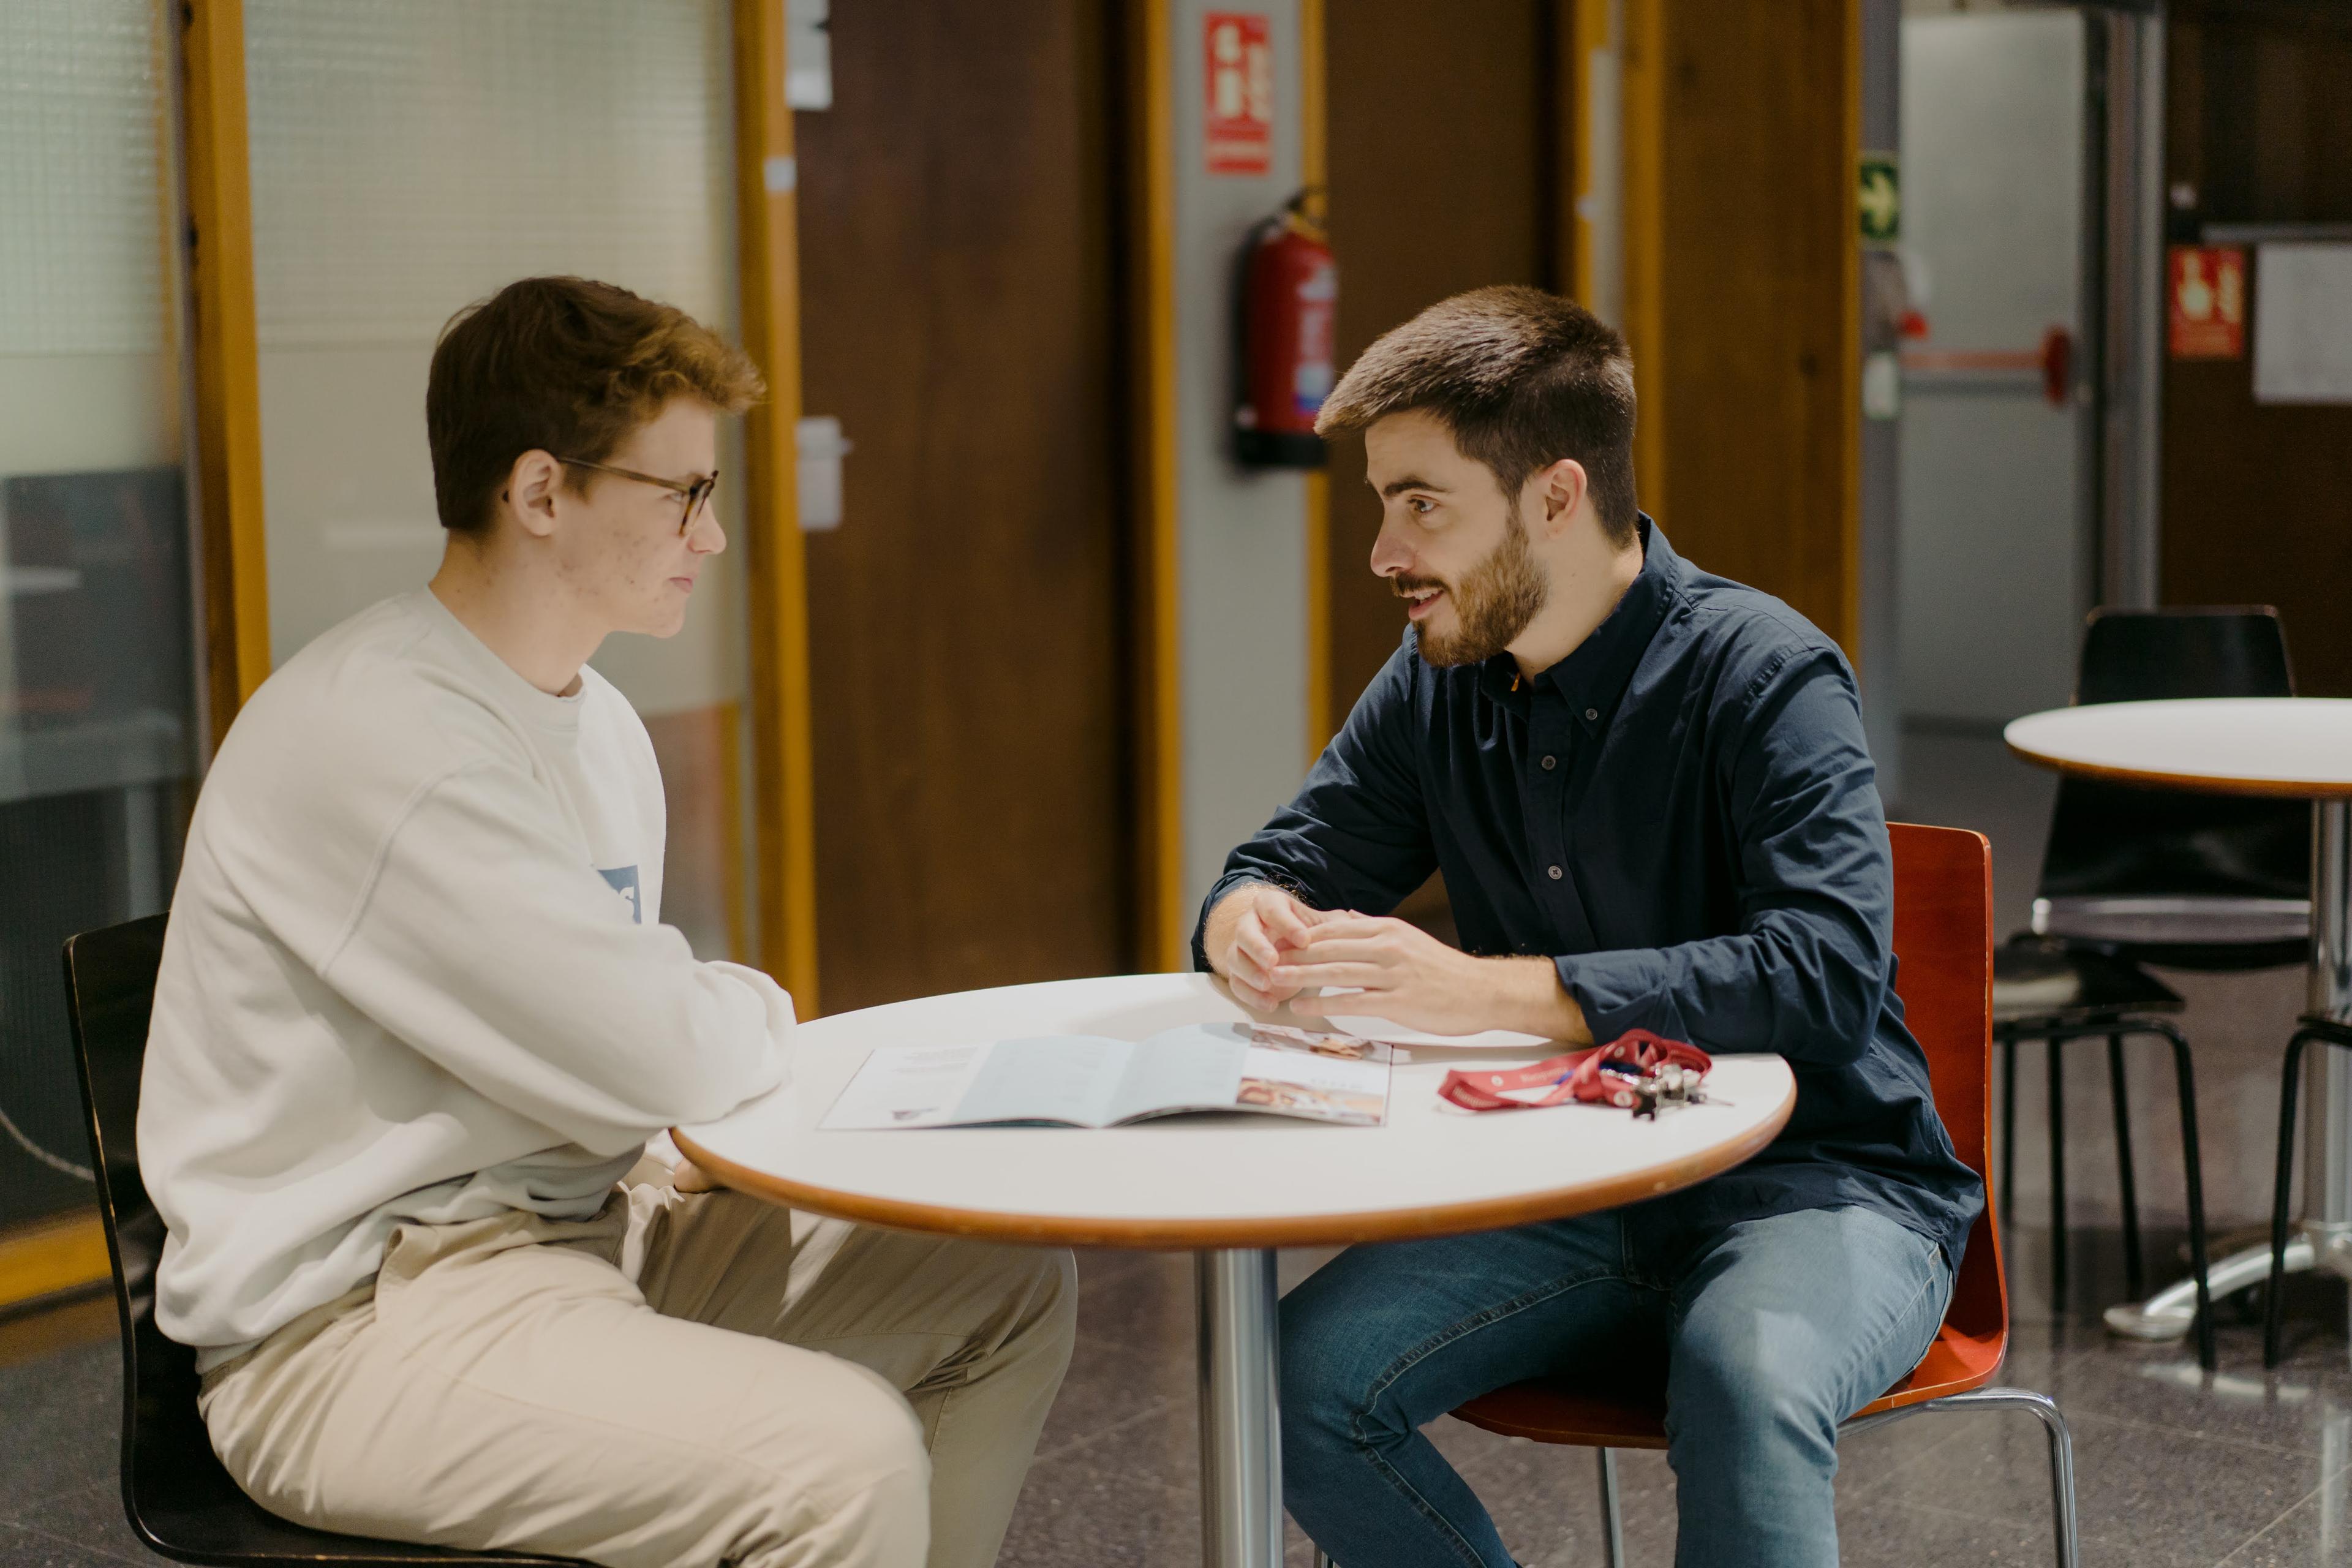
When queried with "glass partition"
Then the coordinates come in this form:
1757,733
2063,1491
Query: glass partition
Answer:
97,643
410,158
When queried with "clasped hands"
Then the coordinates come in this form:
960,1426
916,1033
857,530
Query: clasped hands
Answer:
1272,949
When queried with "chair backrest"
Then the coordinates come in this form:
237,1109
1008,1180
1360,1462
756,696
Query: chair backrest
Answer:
109,997
1943,952
180,1499
2111,840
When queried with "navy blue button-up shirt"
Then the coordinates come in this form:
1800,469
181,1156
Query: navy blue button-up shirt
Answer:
1683,815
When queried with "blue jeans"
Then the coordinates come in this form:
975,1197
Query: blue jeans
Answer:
1771,1333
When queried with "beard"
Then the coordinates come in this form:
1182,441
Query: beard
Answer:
1492,605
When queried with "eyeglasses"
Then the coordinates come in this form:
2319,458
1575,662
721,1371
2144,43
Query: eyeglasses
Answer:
696,493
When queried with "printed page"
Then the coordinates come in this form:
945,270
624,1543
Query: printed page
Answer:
1323,1076
1061,1078
1195,1067
905,1086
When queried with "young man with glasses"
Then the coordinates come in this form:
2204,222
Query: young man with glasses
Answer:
1649,793
418,1022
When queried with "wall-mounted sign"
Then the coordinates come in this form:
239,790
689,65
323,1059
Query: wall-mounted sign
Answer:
2206,302
1237,124
1881,199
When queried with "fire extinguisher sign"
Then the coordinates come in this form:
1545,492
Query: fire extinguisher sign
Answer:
1237,124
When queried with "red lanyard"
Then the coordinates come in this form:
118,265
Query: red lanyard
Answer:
1617,1074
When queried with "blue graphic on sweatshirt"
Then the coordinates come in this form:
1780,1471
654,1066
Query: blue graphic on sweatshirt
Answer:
625,882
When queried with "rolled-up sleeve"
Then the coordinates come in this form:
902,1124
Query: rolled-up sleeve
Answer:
1806,973
1356,835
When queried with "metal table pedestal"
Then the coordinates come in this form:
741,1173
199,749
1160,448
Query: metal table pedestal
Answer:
1241,1432
2326,1238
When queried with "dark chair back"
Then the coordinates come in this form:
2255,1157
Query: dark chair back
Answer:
180,1499
2166,874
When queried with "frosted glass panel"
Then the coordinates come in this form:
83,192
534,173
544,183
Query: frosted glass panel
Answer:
81,177
97,650
411,157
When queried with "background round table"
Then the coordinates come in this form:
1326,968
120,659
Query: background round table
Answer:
2297,747
1227,1187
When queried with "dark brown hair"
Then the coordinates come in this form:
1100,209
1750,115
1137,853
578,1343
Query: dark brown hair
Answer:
565,366
1520,377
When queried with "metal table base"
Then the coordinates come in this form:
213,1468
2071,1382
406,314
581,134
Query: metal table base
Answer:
1241,1433
2325,1232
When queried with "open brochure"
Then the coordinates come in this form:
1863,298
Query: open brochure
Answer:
1084,1080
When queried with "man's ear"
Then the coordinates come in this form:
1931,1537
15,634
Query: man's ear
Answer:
1561,489
529,494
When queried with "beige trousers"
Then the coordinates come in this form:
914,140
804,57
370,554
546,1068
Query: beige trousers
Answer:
777,1391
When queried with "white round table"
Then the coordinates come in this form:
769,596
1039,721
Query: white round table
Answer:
2296,747
1229,1188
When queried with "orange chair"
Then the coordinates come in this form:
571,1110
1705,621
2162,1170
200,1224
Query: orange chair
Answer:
1943,939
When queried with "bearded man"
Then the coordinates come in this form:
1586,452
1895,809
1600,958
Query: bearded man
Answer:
1648,791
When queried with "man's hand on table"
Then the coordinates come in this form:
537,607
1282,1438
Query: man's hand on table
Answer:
688,1177
1407,976
1250,930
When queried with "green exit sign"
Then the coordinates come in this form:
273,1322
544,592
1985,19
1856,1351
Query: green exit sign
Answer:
1881,199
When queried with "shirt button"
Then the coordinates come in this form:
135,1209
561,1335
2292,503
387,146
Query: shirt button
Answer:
1550,762
1554,873
1591,714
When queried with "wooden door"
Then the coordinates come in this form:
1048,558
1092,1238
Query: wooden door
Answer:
967,621
1444,175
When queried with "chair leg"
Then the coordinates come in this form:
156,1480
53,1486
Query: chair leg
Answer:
2065,1528
2057,1108
1612,1521
2288,1085
2007,1198
2192,1165
2134,1276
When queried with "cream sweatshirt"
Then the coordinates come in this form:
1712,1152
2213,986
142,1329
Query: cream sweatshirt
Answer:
415,973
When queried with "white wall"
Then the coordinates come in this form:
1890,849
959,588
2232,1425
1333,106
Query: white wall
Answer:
1243,551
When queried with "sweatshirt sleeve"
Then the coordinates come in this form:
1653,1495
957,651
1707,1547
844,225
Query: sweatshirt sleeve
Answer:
485,940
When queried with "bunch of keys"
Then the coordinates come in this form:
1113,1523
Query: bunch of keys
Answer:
1666,1088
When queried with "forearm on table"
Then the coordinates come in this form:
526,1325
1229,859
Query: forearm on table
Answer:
1526,995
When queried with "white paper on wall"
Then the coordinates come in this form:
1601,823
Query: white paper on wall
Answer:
2302,323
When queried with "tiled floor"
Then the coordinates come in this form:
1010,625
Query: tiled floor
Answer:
2175,1467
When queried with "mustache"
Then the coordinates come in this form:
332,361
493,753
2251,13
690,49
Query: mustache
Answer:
1405,587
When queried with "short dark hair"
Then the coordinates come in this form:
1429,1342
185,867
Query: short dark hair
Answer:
1520,377
566,366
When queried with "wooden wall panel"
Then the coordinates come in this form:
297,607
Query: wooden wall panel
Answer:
1444,175
1750,370
2257,499
968,620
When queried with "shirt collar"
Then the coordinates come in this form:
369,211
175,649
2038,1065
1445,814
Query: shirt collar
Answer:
1594,675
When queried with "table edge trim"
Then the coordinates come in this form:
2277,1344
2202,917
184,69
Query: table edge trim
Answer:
1296,1230
2277,789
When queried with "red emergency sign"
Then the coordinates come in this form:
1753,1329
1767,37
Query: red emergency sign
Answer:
2207,293
1237,124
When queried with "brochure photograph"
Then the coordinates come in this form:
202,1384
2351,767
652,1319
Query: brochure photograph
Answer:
1085,1080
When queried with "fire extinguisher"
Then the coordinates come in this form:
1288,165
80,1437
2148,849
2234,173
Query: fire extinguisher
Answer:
1288,288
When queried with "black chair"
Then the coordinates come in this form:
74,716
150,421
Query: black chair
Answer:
181,1501
2135,875
2315,1028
